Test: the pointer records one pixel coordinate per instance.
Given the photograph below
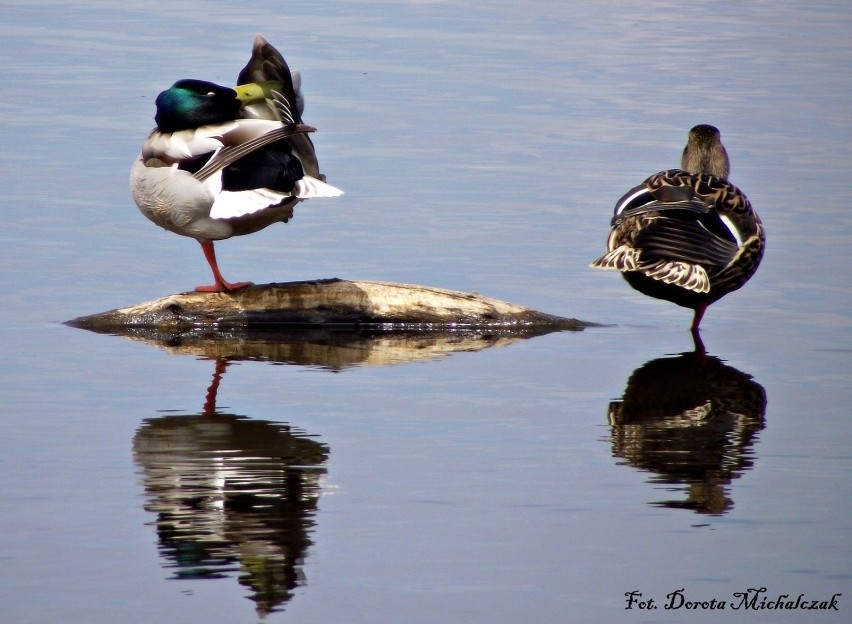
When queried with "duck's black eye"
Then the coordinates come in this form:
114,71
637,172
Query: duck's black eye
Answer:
211,94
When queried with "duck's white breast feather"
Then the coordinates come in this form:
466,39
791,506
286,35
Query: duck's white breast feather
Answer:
184,144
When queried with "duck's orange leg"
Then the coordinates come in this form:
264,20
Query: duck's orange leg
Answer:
221,285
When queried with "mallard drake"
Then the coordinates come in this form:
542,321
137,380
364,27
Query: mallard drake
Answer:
227,162
687,235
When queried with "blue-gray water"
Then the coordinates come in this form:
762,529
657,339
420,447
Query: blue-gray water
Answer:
481,147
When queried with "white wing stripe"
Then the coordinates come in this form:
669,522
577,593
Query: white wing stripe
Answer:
627,200
733,229
309,186
230,204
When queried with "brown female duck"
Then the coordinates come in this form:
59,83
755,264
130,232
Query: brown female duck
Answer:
687,235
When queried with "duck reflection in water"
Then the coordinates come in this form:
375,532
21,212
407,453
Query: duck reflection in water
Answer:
692,420
233,496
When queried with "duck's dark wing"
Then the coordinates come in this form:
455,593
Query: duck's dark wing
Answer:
682,237
267,64
675,223
643,200
231,154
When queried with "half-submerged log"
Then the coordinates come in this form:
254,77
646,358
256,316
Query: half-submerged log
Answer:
331,302
332,324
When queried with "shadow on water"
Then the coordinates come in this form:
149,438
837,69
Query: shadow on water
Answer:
692,421
232,496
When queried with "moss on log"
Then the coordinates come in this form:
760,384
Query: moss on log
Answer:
323,303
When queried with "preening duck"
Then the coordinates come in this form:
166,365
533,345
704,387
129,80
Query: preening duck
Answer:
687,235
227,162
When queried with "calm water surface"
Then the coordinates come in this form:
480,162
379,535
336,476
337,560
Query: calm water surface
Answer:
439,479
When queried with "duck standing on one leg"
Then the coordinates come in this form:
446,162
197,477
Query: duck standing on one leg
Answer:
687,235
227,162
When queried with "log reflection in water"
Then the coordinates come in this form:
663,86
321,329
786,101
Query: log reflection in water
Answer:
332,348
